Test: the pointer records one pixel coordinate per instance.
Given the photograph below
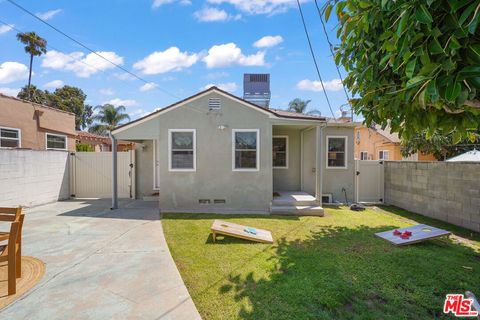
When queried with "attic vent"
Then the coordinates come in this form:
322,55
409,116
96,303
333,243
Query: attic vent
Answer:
214,104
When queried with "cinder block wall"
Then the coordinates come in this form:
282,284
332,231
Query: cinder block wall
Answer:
29,178
448,191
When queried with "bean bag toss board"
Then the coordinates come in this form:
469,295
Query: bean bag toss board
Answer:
239,231
413,234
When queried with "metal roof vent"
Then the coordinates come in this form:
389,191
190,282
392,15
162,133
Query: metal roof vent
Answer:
214,104
256,88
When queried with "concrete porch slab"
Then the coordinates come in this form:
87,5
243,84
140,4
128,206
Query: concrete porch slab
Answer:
101,264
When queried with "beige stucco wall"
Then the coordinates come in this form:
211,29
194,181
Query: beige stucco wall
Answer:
288,179
35,121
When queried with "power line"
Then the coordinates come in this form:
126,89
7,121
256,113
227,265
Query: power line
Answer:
314,60
330,45
91,50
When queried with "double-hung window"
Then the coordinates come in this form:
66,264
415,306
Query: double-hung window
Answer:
280,152
10,138
383,155
363,155
56,141
245,153
337,152
182,149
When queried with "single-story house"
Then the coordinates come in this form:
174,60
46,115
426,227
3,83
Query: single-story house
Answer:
98,143
215,152
28,125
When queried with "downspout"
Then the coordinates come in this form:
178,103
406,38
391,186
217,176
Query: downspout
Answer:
114,172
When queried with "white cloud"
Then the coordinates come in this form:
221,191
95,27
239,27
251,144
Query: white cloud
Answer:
82,65
122,102
54,84
107,92
9,91
148,86
309,85
268,42
268,7
216,75
159,3
49,14
228,86
224,55
12,71
5,28
164,61
209,14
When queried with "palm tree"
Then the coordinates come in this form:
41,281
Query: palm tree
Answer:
107,118
300,106
35,46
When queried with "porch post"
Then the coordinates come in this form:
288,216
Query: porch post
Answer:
318,164
114,172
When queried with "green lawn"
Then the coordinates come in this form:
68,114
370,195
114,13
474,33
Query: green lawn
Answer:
330,267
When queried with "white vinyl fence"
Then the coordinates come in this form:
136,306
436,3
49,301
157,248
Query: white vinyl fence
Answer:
91,174
369,181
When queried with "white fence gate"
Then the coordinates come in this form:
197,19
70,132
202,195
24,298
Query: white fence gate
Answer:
369,181
91,174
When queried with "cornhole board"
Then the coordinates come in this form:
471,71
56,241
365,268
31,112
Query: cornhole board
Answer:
420,232
238,231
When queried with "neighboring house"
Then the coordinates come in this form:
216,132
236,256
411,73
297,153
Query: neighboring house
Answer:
100,143
375,143
215,152
28,125
469,156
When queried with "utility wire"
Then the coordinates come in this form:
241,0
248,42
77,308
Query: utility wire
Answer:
91,50
330,45
314,60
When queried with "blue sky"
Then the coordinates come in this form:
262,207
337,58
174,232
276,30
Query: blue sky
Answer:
180,46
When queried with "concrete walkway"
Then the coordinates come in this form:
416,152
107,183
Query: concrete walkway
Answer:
101,264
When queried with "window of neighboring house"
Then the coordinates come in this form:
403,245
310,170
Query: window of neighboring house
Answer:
280,152
364,155
246,153
56,141
10,138
383,155
336,152
182,153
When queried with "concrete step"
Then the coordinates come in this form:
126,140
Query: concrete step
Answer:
313,210
151,198
294,199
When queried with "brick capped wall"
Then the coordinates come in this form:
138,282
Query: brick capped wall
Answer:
448,191
29,178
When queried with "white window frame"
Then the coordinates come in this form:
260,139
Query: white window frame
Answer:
156,169
19,137
286,151
346,152
383,153
364,152
170,131
257,131
57,135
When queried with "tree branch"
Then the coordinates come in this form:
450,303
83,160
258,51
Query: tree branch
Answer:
473,103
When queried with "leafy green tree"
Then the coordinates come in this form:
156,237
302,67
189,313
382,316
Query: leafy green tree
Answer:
107,118
300,106
34,95
34,46
441,146
413,64
84,147
71,99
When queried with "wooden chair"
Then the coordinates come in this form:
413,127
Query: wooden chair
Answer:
10,214
12,254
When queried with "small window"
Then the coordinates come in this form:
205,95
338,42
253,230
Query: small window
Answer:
336,152
10,138
181,145
245,150
364,155
56,142
280,152
383,155
214,104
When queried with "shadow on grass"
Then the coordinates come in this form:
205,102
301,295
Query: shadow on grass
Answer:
222,216
345,273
